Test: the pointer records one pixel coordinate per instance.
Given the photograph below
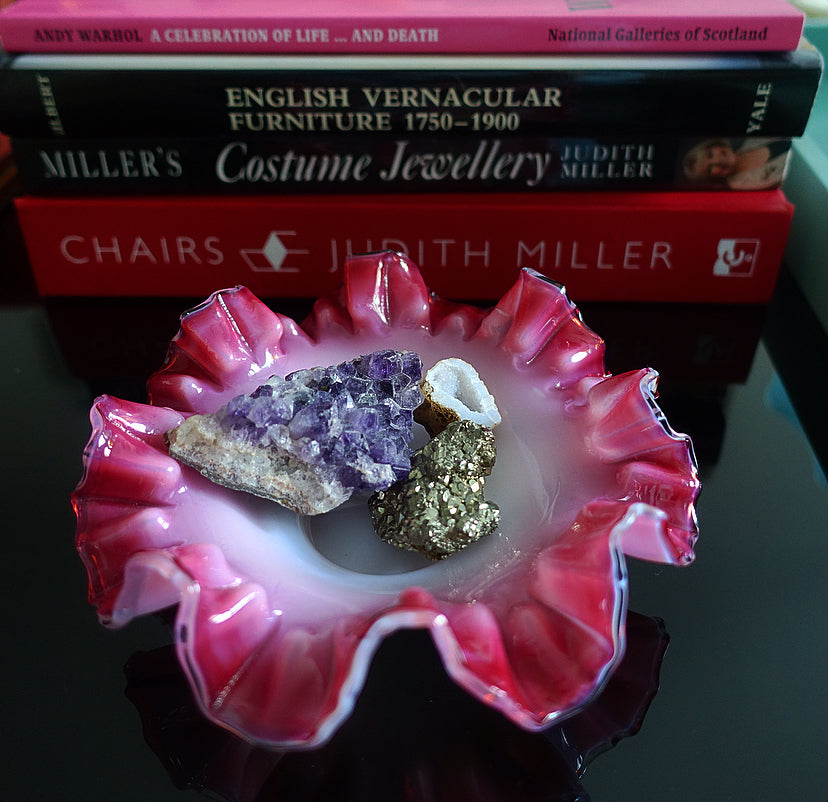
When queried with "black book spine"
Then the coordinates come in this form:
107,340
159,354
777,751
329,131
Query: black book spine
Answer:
757,95
187,165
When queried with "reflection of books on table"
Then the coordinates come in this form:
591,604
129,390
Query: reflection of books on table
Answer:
659,246
320,26
9,179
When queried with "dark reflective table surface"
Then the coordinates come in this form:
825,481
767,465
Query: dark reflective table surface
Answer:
723,694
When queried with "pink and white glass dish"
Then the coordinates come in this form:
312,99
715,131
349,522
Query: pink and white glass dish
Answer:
279,615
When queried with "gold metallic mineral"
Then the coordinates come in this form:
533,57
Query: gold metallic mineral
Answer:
439,508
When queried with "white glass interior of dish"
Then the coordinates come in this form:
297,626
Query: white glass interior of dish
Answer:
541,478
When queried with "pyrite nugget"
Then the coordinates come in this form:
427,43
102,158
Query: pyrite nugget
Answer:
439,508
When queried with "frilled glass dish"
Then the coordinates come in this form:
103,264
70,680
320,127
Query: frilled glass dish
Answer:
279,614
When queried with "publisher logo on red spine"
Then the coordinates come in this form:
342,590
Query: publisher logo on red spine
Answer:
736,257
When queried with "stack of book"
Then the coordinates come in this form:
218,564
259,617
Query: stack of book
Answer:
629,152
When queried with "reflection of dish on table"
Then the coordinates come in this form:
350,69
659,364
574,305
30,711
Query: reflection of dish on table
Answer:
411,721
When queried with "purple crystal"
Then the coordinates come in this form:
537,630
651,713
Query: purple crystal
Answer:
382,365
351,422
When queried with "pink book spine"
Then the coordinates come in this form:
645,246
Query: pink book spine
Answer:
480,34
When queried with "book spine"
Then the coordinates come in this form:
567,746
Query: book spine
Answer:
737,96
359,164
471,34
699,349
700,247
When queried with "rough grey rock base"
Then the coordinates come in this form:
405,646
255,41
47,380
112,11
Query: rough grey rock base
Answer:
201,443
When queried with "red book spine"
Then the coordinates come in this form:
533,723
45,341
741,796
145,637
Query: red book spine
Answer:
607,246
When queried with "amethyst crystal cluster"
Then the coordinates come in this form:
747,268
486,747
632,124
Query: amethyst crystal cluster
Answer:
351,420
311,440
